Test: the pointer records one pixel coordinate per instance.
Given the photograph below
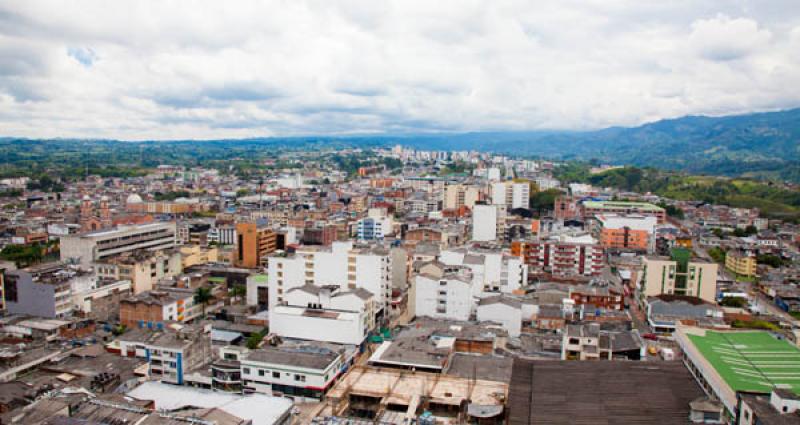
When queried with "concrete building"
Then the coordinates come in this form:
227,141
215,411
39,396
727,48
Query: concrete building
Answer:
257,287
511,194
460,195
741,263
303,373
342,264
155,308
595,208
87,248
634,232
373,228
253,243
44,291
443,292
679,275
170,353
142,268
562,256
346,316
484,223
222,235
504,310
492,270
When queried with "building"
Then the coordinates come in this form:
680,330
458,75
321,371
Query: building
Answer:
346,316
443,292
459,195
595,208
635,232
566,208
253,243
548,392
157,307
257,288
44,291
563,256
679,275
484,223
731,364
305,372
342,264
87,248
170,354
492,269
222,235
741,263
511,194
506,311
373,228
142,268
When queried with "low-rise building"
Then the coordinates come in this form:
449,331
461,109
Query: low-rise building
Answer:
741,263
679,274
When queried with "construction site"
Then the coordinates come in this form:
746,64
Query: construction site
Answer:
395,396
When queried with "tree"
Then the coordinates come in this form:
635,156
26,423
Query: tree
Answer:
254,340
238,291
203,296
738,302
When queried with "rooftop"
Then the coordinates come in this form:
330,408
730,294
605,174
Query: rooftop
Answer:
752,361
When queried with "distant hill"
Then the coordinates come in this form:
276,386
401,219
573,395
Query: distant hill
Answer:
762,145
753,145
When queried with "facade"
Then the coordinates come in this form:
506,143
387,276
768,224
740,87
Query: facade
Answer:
87,248
142,268
154,308
484,223
444,296
679,275
595,208
511,194
222,235
252,245
373,228
170,355
298,373
342,264
626,232
459,195
257,287
44,291
563,256
503,310
741,263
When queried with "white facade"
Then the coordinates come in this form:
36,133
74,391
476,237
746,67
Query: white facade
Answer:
341,327
448,297
341,265
223,235
511,194
89,247
509,316
484,223
492,271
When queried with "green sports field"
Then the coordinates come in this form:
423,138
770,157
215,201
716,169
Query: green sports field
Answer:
751,361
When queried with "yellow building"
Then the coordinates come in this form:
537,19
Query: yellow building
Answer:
741,263
197,255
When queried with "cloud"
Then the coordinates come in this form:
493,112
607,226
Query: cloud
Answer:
150,69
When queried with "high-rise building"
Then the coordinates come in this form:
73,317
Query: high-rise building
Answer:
679,274
253,243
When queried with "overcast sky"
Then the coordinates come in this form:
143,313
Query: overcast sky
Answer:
227,69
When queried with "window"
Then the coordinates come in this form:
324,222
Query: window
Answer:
261,372
276,375
574,341
300,378
246,371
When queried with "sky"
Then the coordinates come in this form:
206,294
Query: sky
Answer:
165,69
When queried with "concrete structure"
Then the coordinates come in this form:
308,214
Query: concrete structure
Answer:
492,270
170,354
143,268
503,310
253,243
300,373
342,264
679,275
257,287
635,232
346,316
741,263
87,248
563,256
446,293
511,194
484,223
595,208
44,291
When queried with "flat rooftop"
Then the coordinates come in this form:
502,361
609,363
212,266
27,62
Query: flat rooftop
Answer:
602,393
751,361
641,206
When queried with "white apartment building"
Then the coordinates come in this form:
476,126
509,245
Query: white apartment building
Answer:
87,248
342,264
443,292
298,373
492,270
346,316
503,310
484,223
511,194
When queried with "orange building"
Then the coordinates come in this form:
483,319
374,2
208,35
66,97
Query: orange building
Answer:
625,232
252,244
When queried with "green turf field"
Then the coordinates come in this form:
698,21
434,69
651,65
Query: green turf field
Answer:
751,361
